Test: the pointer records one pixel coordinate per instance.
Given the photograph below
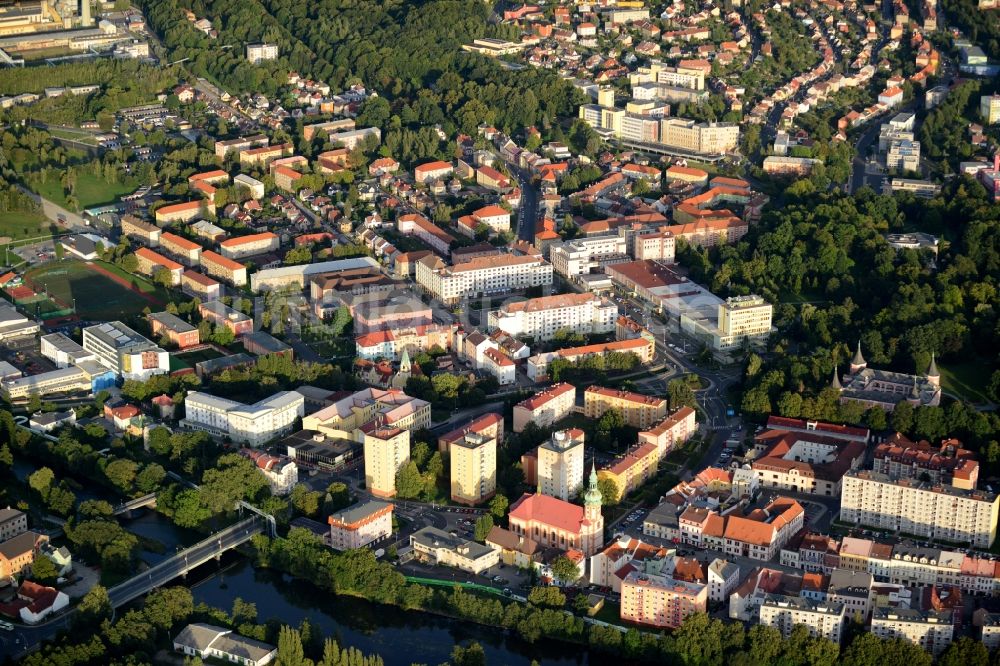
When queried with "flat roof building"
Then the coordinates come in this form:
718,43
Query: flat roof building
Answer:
125,352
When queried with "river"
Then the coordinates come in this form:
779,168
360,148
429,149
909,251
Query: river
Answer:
399,637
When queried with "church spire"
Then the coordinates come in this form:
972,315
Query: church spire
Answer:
593,495
933,376
858,363
836,380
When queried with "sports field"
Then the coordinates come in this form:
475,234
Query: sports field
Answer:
101,292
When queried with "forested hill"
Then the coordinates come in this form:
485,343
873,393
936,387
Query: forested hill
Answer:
409,51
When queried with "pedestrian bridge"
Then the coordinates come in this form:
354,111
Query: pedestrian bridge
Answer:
138,502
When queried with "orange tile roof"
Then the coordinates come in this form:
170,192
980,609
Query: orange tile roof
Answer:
497,357
178,208
687,171
671,421
157,258
490,211
243,240
437,165
540,399
208,175
549,511
623,346
549,302
495,261
750,531
219,260
629,396
199,278
183,243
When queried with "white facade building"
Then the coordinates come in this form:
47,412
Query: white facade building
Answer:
123,351
360,524
914,507
540,318
497,274
250,424
560,464
63,351
825,620
581,256
257,53
931,630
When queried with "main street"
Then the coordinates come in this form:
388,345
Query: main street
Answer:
527,212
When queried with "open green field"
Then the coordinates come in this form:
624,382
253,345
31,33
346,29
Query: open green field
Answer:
967,380
18,225
97,296
82,136
91,190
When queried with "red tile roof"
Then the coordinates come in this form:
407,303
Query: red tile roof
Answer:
547,510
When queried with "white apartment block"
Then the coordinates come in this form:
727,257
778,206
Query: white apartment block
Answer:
903,155
989,108
681,77
64,351
360,524
386,451
645,129
281,472
726,325
540,318
825,620
258,53
723,578
253,424
560,464
581,256
123,351
497,274
694,137
546,408
500,366
656,246
918,508
889,133
931,630
434,546
473,460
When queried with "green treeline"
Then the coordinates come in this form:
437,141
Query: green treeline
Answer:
699,641
410,53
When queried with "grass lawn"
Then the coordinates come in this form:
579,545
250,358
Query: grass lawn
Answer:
91,190
966,379
97,296
610,612
188,359
81,136
18,225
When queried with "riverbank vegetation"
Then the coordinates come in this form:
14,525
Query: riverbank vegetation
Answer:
142,635
699,641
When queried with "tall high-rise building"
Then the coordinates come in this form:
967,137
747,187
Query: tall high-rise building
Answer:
473,468
560,464
387,450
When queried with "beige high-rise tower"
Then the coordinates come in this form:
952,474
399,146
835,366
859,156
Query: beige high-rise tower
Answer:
386,451
473,468
560,464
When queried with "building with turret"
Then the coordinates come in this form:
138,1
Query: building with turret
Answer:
885,389
555,523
